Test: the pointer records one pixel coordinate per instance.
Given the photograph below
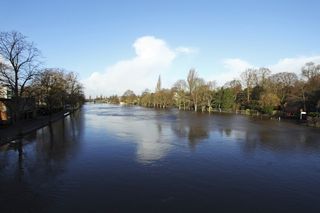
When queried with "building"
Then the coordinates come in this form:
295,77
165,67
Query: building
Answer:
27,106
4,118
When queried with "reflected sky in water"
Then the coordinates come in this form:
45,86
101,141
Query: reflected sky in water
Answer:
151,136
110,158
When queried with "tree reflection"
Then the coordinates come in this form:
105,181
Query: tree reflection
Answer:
270,135
194,127
57,142
252,134
27,164
45,150
20,168
281,141
196,134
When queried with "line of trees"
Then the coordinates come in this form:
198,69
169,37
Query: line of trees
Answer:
257,90
21,71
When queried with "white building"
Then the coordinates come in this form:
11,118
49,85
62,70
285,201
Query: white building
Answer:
3,92
3,108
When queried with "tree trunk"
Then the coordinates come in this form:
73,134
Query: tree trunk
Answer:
304,101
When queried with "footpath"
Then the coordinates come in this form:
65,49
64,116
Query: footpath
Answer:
14,132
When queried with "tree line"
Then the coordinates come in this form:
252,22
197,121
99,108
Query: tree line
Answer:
257,90
29,83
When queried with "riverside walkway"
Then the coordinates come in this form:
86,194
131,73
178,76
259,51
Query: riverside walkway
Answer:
13,132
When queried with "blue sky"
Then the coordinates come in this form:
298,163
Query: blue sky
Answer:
218,38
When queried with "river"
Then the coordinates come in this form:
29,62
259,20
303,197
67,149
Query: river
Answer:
108,158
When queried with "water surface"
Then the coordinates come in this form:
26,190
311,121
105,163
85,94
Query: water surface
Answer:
110,158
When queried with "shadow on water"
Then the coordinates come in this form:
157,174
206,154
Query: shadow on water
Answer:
191,126
40,155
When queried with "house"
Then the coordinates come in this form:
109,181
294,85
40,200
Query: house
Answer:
4,118
27,106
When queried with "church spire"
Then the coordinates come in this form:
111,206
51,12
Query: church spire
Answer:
158,88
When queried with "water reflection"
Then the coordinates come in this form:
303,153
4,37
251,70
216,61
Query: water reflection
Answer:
108,156
58,141
31,161
192,126
269,135
132,124
155,132
55,143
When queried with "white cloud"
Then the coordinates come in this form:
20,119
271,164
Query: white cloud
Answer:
232,70
293,64
153,57
186,50
234,66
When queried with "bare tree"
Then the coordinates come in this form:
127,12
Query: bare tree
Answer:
191,79
49,88
211,86
310,70
249,78
20,59
74,90
146,98
128,97
205,95
180,88
282,84
193,84
300,85
262,75
56,90
235,85
2,87
165,97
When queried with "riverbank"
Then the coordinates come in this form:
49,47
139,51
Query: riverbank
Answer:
276,115
14,132
313,121
308,121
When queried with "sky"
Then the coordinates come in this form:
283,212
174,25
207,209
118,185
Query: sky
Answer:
119,45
